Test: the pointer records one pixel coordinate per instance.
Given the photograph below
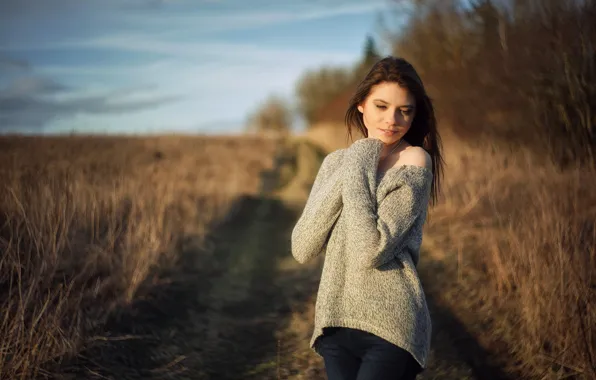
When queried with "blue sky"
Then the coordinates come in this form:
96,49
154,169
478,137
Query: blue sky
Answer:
144,66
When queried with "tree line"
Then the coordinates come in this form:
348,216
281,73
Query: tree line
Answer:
517,72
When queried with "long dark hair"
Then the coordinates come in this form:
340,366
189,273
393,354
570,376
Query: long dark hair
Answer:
423,131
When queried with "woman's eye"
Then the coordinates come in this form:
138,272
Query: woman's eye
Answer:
381,107
406,112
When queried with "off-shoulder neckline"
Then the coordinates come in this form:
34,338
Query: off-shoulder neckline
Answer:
383,179
397,168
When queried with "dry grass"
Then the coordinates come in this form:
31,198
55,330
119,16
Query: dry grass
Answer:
524,239
85,222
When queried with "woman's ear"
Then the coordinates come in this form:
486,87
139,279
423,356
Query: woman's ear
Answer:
360,108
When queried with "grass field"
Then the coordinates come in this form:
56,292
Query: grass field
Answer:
85,222
168,258
518,236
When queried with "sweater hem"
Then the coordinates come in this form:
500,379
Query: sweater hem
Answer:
382,333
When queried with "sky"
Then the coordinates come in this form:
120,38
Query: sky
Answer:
153,66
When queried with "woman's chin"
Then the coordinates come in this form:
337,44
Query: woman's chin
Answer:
385,139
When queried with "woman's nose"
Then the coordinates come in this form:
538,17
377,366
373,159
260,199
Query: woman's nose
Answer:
392,118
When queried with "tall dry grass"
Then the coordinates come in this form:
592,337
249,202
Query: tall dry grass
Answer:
524,238
85,222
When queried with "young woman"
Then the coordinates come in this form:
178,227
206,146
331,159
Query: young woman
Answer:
365,211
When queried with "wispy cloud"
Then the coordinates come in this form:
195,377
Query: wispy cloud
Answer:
191,22
11,64
31,86
29,102
245,52
258,16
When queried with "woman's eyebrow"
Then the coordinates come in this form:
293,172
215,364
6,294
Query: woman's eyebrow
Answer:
402,106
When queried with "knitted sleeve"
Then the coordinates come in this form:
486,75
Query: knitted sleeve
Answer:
323,206
378,221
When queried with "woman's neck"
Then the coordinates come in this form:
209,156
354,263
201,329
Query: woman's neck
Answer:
391,149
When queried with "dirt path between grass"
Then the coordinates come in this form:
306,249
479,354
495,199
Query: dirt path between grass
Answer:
241,309
218,316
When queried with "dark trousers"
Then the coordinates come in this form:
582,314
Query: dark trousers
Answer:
352,354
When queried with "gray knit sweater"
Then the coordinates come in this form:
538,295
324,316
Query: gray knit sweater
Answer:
370,228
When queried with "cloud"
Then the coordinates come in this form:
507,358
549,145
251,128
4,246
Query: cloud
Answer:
265,15
28,102
194,20
11,64
211,50
17,7
25,86
147,4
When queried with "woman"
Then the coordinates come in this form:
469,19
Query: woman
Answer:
366,210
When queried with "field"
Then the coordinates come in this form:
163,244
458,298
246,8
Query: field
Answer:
89,224
513,252
168,258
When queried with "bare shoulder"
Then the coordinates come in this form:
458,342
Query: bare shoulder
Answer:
415,155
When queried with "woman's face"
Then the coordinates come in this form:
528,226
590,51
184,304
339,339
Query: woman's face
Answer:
388,112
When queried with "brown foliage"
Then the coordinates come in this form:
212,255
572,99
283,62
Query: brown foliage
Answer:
520,72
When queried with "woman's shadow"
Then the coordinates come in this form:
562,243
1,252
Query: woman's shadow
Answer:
452,341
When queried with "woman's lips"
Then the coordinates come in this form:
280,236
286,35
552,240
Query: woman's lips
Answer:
388,132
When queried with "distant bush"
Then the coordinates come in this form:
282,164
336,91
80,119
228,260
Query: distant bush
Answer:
273,116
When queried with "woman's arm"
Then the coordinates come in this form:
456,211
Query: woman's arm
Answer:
323,207
377,231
